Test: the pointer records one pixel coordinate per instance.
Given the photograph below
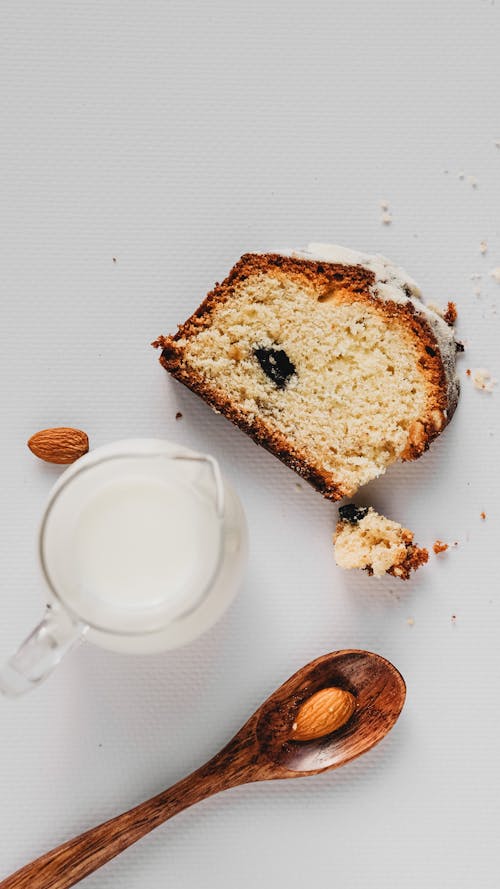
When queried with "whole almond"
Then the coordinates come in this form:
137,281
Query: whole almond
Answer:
323,713
60,445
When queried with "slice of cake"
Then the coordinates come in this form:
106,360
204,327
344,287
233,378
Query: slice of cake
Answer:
365,539
327,358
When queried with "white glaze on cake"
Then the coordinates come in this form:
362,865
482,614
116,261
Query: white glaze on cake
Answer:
394,284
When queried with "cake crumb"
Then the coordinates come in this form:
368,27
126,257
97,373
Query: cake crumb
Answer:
364,539
483,247
472,180
497,143
450,315
482,379
453,618
384,205
477,290
114,259
461,175
410,621
439,547
495,274
483,515
468,371
386,218
178,415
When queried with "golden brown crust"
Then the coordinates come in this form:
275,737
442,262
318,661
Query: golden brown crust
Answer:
324,280
414,558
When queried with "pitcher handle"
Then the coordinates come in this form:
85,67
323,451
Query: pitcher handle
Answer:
54,636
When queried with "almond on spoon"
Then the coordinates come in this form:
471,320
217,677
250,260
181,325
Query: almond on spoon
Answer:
323,713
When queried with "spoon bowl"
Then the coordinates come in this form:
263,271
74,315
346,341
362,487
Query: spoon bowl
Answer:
380,693
260,751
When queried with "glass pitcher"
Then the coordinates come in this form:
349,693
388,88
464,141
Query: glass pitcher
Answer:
142,546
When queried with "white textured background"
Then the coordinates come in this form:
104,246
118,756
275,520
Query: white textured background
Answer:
175,136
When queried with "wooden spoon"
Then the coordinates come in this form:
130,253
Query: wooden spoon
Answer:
261,751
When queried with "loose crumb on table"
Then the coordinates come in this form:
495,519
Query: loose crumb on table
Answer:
439,547
482,379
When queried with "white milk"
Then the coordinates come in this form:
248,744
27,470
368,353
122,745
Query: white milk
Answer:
141,543
144,544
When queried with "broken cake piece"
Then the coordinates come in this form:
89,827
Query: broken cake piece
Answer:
365,539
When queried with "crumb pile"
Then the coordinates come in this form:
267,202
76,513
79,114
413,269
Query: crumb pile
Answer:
326,357
365,539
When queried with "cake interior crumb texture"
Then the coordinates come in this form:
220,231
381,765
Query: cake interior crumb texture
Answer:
307,359
378,545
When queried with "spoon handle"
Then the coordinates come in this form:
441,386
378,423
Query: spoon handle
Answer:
81,856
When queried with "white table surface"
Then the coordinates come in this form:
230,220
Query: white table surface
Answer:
175,136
